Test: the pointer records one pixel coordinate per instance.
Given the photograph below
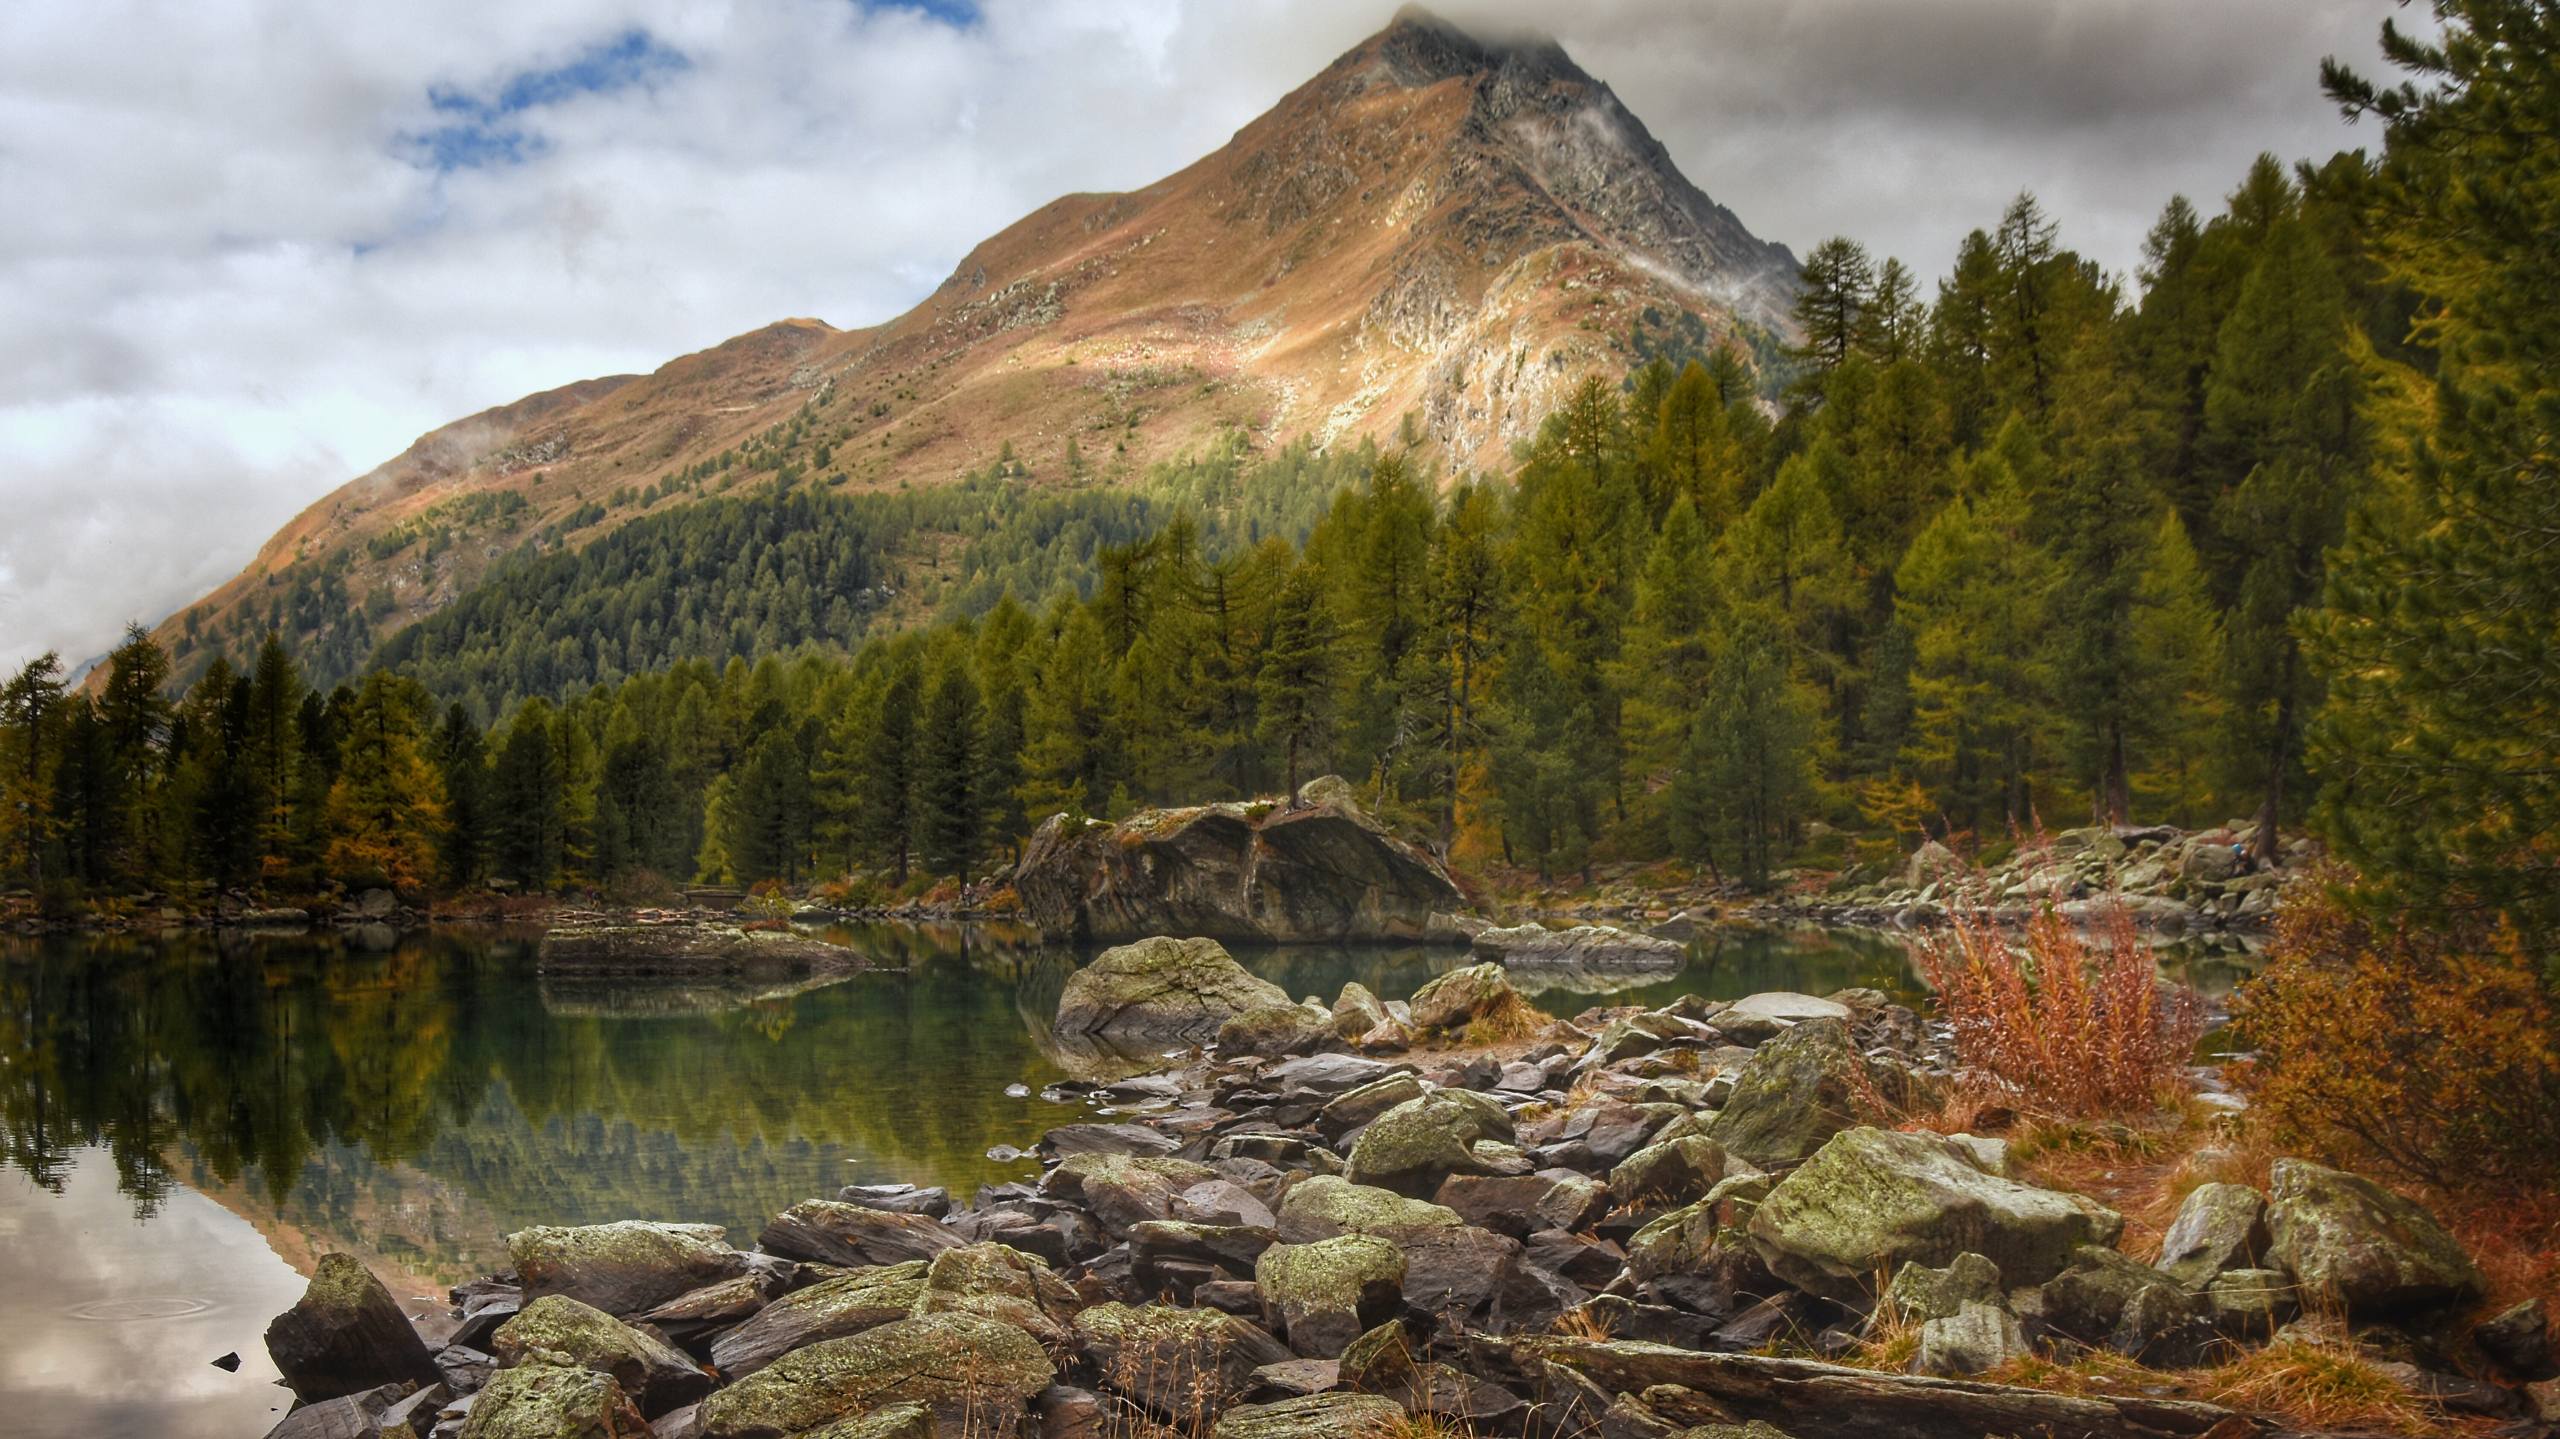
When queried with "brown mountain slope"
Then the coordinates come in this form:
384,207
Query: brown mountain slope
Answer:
1436,227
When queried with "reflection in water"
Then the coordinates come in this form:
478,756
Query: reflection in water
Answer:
412,1103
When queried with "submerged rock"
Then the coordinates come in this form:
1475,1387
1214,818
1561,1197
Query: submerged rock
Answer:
592,945
1585,946
1161,991
1317,869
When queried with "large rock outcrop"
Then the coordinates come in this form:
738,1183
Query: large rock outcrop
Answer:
1315,870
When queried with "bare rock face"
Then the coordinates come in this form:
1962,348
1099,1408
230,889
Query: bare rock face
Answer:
1316,870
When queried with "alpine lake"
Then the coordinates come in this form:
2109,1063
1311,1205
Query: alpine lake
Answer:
192,1121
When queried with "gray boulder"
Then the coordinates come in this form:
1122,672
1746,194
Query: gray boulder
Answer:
1313,1416
1584,946
1414,1146
2346,1237
1456,999
1977,1338
2219,1227
550,1397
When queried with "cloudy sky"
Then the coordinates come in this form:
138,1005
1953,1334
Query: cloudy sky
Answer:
250,248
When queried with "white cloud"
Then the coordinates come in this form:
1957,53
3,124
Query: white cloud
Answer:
228,281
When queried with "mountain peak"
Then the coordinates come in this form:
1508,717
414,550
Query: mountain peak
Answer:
1419,47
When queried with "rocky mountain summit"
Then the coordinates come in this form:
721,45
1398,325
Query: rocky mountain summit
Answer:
1691,1220
1436,226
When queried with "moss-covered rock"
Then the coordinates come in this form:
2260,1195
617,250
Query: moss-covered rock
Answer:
1872,1200
1275,1031
831,1309
1328,1293
1161,991
346,1335
967,1370
622,1268
1798,1090
655,1375
1003,1284
1184,1365
892,1421
1315,1416
552,1398
2348,1238
1327,1205
1453,1000
1414,1146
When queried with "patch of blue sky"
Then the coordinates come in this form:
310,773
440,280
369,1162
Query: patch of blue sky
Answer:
480,130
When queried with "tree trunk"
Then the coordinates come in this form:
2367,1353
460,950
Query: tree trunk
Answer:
2115,794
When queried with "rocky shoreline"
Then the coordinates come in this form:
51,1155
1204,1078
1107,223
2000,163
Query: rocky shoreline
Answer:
1340,1220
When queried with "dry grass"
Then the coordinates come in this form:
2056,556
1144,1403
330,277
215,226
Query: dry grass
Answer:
2097,1372
2319,1388
1508,1020
1892,1339
2072,1022
1581,1322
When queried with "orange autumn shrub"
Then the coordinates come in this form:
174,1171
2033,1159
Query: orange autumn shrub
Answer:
2434,1053
2067,1021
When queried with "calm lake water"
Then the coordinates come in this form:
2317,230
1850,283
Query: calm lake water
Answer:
191,1123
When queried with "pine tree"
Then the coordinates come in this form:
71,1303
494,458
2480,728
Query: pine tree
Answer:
135,716
885,820
2283,411
1754,747
386,805
1973,594
462,765
526,790
31,720
274,760
1665,658
949,803
1837,283
1296,683
2441,637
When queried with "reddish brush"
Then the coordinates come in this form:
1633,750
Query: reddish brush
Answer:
2071,1022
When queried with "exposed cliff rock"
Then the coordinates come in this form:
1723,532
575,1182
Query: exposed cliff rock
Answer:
1318,869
